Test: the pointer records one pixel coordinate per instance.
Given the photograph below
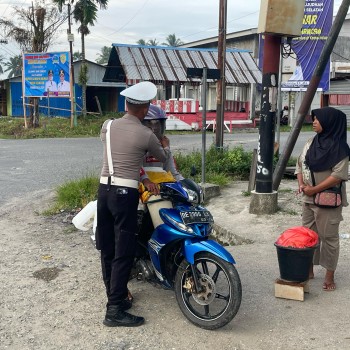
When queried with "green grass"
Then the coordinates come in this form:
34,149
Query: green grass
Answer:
13,128
74,194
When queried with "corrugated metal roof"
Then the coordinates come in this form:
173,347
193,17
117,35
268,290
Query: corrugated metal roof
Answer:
158,63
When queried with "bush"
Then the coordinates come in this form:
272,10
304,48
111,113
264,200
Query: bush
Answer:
222,166
75,194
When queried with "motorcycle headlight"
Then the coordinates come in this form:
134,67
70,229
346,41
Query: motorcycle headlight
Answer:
193,190
180,225
192,196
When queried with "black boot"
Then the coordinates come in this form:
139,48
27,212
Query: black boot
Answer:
126,304
117,317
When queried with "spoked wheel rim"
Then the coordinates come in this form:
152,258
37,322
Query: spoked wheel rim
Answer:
215,297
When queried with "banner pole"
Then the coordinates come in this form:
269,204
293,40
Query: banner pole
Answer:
24,97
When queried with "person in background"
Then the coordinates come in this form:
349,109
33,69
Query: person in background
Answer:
126,141
326,155
284,116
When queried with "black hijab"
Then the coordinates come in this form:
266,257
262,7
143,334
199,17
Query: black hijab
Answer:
328,147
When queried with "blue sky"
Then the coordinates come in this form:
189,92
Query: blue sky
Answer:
126,21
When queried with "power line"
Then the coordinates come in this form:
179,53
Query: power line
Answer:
232,20
345,58
131,19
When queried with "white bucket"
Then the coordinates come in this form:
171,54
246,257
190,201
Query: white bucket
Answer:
154,204
84,219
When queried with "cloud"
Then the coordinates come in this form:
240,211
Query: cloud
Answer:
128,21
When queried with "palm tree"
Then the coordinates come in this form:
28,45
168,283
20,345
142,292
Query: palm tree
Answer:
13,66
77,56
172,40
104,55
153,42
141,42
1,62
85,14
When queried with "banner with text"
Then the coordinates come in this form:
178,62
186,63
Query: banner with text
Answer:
317,23
46,74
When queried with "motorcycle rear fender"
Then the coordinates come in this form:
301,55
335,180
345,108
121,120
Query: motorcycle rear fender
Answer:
192,248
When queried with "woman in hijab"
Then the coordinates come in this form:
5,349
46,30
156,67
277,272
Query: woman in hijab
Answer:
326,155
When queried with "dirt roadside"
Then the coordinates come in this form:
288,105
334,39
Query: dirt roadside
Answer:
62,306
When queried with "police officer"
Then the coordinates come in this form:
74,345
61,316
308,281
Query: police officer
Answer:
125,141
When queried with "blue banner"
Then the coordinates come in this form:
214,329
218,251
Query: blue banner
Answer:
317,23
46,74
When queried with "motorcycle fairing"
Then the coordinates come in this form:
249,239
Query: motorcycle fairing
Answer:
202,229
165,237
192,248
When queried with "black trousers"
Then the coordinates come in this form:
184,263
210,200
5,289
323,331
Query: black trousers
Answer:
116,237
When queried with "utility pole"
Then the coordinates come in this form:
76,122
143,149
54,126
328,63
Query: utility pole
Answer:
277,19
220,86
269,95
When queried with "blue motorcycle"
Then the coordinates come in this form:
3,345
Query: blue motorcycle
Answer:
175,251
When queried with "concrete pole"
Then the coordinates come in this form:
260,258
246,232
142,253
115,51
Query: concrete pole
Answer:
268,112
264,199
310,92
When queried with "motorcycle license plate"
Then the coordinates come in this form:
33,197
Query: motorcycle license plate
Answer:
196,217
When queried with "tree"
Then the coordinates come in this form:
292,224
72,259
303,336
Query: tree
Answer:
85,14
77,56
171,40
34,29
1,63
153,42
13,66
104,55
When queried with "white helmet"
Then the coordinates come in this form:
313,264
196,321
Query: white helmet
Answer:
140,93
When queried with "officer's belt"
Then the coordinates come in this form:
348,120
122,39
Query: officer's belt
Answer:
118,181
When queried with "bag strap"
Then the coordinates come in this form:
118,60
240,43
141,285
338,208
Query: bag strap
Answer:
314,182
313,178
108,145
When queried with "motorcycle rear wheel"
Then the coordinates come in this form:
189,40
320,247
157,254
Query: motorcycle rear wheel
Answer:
221,295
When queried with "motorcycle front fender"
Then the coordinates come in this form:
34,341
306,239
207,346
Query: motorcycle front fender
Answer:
192,248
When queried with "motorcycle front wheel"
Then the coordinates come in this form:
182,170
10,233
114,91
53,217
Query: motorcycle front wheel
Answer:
220,295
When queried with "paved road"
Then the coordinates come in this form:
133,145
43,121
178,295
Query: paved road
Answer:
31,165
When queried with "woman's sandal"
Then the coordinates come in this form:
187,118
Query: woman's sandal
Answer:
329,287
